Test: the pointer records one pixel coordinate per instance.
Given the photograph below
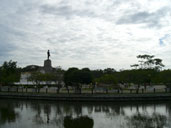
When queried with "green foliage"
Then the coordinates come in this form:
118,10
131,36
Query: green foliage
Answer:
140,77
40,79
148,62
37,78
75,76
163,77
68,75
97,73
146,72
107,79
109,71
9,73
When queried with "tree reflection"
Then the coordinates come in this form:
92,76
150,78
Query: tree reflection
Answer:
37,118
47,111
146,121
42,113
7,113
79,122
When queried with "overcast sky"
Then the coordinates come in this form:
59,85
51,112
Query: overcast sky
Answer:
85,33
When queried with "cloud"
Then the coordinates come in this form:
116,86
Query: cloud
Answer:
6,45
87,33
65,11
151,19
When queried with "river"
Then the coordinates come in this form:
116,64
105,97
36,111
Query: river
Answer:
51,114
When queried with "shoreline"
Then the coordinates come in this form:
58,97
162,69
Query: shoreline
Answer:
88,97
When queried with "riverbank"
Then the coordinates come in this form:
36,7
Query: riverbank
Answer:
87,97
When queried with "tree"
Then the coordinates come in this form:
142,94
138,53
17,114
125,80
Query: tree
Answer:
97,73
57,78
75,78
37,78
109,70
158,63
149,62
68,77
164,77
85,69
9,73
107,79
135,65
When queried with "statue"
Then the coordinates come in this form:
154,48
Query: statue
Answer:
48,54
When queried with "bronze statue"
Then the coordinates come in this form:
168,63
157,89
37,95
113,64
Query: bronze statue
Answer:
48,54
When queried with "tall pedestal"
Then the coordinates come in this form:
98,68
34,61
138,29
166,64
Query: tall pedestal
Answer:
48,66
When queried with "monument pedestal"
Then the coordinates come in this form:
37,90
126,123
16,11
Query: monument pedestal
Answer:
48,66
47,63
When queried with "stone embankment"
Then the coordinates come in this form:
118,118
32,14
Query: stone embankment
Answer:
88,97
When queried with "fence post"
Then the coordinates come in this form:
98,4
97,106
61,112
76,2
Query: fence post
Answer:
154,90
80,91
137,91
68,91
106,91
92,91
166,90
130,90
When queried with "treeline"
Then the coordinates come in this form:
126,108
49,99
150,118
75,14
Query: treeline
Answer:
148,71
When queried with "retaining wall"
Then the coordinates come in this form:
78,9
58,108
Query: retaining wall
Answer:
88,97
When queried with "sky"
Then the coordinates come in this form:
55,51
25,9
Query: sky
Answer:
85,33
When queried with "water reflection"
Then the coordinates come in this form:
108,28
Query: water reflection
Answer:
79,122
83,115
8,113
147,121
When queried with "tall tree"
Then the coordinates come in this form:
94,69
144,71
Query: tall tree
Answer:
37,78
76,78
109,70
9,73
149,62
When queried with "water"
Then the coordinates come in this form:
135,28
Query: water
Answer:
44,114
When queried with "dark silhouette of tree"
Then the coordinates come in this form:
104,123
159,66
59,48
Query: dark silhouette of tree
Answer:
109,71
57,77
37,78
135,65
146,121
80,122
7,113
97,73
149,62
75,77
9,73
107,79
